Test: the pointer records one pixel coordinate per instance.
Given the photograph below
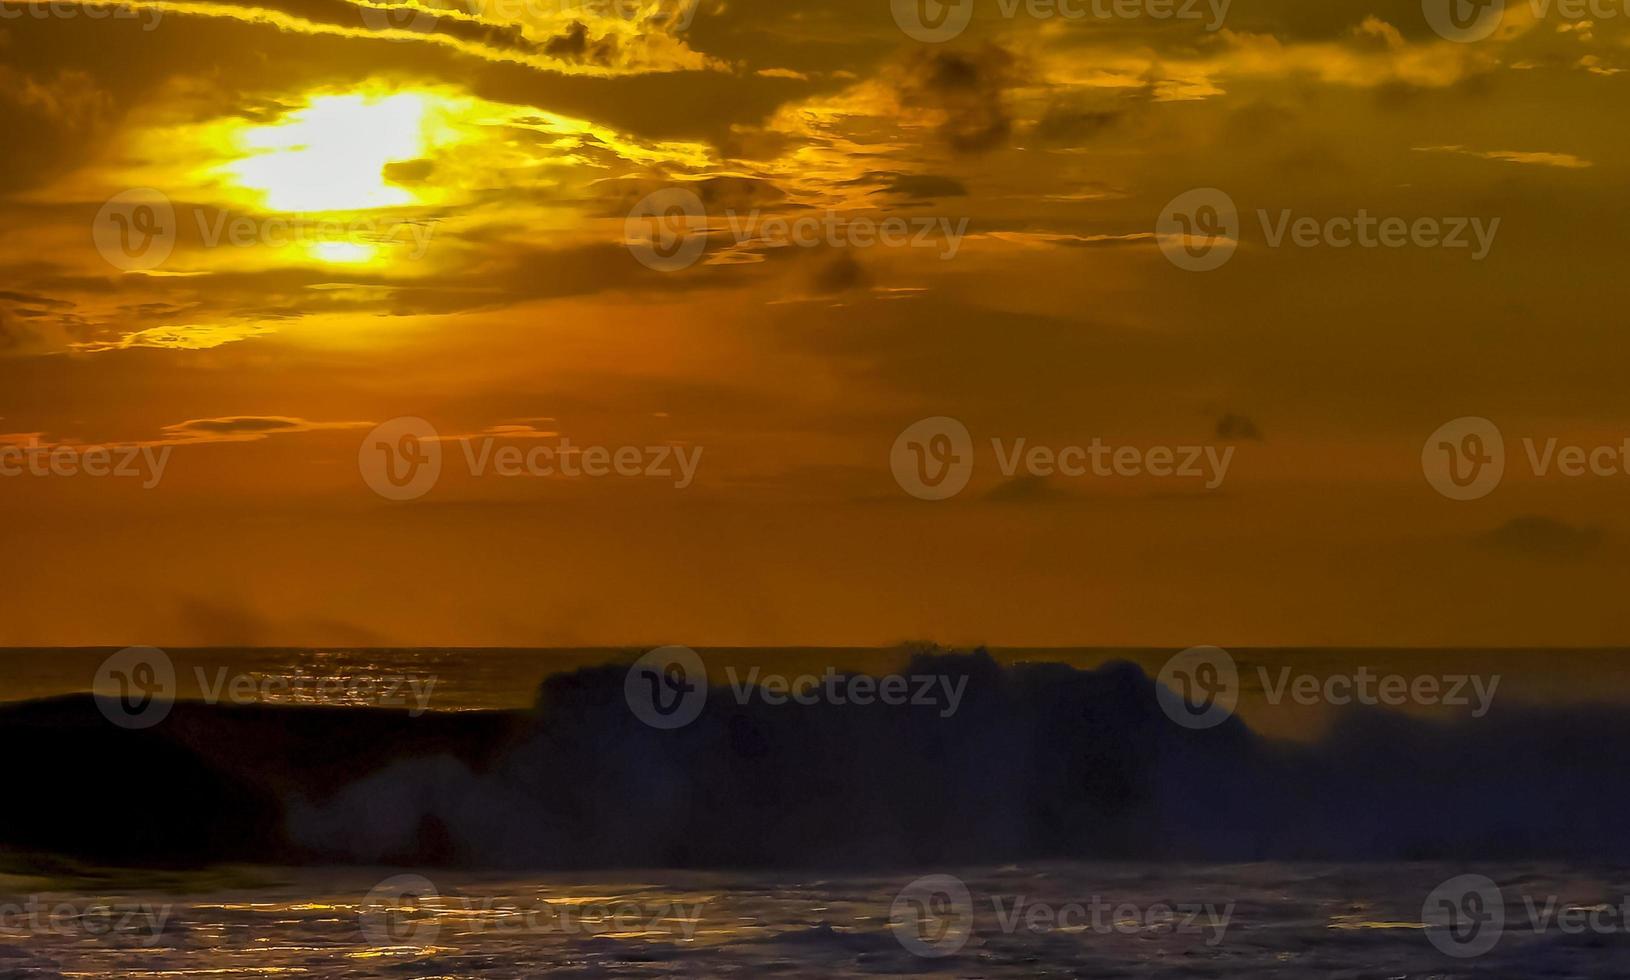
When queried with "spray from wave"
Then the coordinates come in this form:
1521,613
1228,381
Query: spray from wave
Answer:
1039,761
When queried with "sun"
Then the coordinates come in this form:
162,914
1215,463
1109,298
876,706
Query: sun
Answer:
331,154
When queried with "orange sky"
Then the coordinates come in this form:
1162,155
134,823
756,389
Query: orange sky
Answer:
364,223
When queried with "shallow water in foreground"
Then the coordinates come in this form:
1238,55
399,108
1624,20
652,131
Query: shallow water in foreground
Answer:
1088,920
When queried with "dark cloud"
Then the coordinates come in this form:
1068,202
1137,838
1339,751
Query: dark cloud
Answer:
14,337
1028,489
916,186
967,89
1063,124
1543,537
575,46
409,171
1233,426
840,275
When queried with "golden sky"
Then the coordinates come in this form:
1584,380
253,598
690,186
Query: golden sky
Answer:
369,213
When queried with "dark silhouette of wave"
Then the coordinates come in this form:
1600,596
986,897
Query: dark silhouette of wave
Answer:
1040,761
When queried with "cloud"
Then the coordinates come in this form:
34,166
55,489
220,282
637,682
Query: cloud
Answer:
1566,161
1028,489
1233,426
966,90
915,186
246,428
187,337
1535,536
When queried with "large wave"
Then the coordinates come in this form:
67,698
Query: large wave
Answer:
1040,761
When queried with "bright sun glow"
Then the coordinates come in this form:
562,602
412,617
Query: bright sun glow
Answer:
331,155
343,251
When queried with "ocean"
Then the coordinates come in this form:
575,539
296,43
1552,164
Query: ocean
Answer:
1269,919
600,813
